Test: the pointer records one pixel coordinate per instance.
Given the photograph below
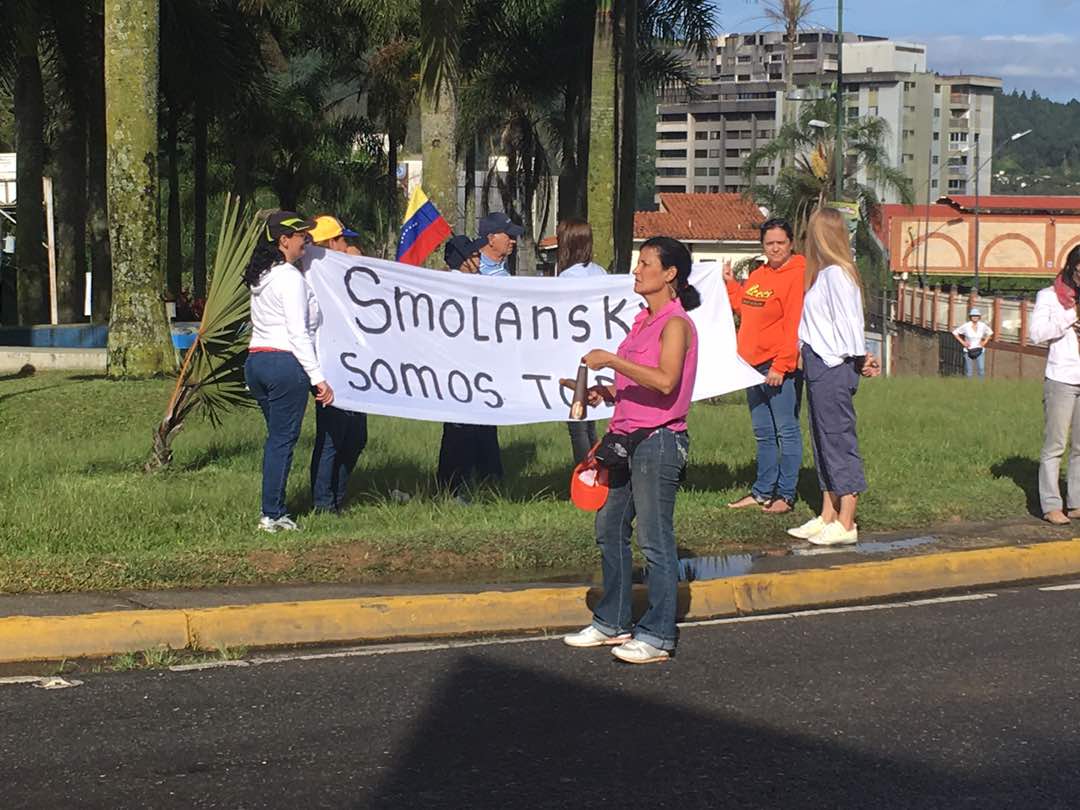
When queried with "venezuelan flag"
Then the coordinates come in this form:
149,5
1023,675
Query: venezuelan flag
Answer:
423,230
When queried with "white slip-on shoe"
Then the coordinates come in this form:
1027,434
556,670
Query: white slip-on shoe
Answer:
591,637
808,529
286,523
636,651
836,535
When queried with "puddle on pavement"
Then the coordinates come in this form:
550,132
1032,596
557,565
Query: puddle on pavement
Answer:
882,547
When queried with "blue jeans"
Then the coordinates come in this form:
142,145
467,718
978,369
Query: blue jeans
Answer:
281,388
340,437
648,494
971,364
774,415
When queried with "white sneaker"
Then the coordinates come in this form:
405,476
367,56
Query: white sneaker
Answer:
636,651
591,637
808,529
281,524
836,535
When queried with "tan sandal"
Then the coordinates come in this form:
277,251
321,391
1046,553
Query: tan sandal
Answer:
745,501
1056,518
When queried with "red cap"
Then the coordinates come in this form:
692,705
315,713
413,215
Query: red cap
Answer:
589,485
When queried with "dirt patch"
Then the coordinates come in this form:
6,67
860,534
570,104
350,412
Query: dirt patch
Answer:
270,563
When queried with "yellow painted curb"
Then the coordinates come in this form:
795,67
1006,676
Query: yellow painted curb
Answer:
35,638
28,638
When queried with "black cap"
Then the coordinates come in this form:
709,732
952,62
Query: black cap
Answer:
459,248
498,222
281,223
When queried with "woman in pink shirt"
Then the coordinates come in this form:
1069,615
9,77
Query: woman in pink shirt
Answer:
655,367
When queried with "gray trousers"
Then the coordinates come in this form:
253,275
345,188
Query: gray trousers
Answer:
582,438
1061,410
829,393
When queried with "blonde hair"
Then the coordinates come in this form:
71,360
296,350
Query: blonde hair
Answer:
827,243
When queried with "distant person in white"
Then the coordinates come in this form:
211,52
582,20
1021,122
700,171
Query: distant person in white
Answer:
973,335
1054,321
833,347
575,261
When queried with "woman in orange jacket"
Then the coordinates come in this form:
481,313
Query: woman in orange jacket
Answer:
769,306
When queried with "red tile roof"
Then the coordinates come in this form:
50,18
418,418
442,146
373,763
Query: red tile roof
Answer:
701,217
1014,203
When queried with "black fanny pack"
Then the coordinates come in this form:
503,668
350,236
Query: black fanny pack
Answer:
973,353
616,449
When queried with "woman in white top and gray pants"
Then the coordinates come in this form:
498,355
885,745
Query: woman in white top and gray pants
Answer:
834,356
1054,321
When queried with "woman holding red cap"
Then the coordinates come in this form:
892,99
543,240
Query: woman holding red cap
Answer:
655,368
282,366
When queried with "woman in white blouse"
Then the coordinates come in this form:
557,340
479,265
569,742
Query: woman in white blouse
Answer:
282,366
1055,323
834,356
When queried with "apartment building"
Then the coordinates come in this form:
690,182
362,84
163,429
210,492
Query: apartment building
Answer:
934,121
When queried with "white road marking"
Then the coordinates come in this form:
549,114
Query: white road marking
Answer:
393,649
1072,586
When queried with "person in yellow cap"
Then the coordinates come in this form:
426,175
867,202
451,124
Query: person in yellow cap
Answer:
340,435
330,233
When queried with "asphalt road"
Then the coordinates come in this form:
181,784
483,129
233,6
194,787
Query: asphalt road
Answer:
949,704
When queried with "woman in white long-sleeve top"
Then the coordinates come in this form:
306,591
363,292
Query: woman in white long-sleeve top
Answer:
282,366
1054,321
833,346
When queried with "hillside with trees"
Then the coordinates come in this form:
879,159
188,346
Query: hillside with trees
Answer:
1048,160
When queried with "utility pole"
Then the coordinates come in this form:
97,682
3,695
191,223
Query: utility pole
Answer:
926,229
978,166
839,134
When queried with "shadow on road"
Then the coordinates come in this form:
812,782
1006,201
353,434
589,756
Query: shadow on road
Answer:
507,737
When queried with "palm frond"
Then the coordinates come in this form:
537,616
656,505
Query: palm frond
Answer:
210,380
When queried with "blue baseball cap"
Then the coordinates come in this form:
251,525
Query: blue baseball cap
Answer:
498,222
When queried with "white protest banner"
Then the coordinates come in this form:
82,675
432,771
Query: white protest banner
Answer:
407,341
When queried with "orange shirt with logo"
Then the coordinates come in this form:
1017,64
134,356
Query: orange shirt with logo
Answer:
769,306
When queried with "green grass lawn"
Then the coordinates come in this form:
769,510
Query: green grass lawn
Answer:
78,513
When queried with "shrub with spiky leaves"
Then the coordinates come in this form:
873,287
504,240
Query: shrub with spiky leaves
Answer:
211,377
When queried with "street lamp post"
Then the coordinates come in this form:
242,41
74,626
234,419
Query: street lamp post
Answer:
839,145
978,169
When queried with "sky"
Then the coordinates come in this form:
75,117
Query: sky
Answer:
1029,44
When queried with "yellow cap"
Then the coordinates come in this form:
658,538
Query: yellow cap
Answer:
326,227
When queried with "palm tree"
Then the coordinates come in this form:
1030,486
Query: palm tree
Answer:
808,180
30,166
440,42
139,341
790,16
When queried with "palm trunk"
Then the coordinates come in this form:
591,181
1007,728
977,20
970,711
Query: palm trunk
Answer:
602,144
469,218
393,214
626,134
438,121
139,343
29,169
198,253
97,188
71,265
173,252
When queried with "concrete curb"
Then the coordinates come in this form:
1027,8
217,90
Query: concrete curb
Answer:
29,638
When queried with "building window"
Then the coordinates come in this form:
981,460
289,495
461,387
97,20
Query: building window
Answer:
731,189
956,185
872,110
671,136
937,112
673,116
909,158
715,135
937,136
731,153
765,133
714,171
742,77
714,153
671,171
743,60
700,153
701,171
935,160
680,189
700,189
933,183
852,112
671,153
958,137
701,136
909,85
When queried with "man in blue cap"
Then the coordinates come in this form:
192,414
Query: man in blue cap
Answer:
501,235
